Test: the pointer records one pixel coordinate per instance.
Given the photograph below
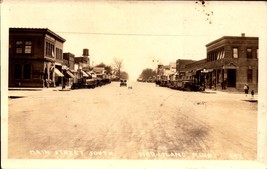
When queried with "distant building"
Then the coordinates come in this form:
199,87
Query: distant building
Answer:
68,60
181,67
35,57
82,64
68,68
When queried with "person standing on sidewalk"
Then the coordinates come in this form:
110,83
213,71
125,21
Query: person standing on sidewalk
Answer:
246,89
252,93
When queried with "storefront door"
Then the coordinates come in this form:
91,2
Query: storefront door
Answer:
231,77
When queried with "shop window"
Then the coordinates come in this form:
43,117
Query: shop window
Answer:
17,71
235,52
19,47
249,53
27,71
249,76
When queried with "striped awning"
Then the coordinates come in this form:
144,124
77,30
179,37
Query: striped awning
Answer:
58,72
70,74
84,74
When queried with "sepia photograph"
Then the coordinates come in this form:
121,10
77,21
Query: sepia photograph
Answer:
133,84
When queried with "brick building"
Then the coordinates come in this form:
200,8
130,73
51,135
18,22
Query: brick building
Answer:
68,70
35,57
68,60
231,62
181,67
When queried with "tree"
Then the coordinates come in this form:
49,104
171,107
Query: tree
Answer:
108,68
117,66
148,74
124,75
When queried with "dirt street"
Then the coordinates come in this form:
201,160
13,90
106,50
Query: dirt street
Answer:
145,122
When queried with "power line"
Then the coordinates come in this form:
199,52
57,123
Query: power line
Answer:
129,34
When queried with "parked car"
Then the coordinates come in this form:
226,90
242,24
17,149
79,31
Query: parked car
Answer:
123,83
191,86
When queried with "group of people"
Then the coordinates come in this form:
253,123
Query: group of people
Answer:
246,90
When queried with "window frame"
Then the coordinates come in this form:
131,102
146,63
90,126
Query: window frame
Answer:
23,48
49,49
233,55
249,53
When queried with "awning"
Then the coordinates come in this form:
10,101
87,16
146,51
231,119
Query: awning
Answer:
84,74
58,72
70,74
207,71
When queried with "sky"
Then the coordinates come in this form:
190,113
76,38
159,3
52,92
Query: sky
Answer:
139,32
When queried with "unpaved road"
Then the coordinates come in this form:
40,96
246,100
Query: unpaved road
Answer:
146,122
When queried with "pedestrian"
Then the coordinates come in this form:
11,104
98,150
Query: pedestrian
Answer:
252,93
47,83
222,84
225,84
63,83
246,89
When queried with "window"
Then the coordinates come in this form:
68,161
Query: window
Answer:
27,71
249,75
49,49
23,47
249,53
235,52
28,47
257,54
19,46
17,71
59,53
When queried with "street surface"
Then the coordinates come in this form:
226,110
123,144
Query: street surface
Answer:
145,122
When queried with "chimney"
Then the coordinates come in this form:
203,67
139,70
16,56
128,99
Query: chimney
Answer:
243,34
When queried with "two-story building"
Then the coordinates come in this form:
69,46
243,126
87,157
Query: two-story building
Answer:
35,57
233,61
68,67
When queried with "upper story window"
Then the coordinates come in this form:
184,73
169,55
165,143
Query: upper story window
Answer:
59,54
249,53
49,49
235,52
28,47
23,47
19,46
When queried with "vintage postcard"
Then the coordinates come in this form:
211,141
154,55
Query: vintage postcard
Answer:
150,84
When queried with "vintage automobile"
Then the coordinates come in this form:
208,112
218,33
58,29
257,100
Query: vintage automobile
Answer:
84,83
191,86
123,83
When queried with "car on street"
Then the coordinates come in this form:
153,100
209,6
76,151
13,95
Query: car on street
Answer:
123,83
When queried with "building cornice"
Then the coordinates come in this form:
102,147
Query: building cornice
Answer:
37,30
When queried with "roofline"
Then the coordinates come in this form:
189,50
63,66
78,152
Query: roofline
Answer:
41,30
230,37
